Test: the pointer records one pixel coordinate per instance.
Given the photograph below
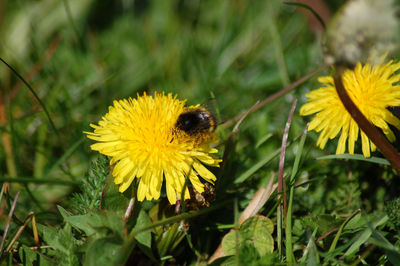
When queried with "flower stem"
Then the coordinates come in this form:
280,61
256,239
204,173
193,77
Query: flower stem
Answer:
372,132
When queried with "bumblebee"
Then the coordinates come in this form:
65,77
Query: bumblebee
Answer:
196,121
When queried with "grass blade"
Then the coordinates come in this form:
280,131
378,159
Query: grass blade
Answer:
358,157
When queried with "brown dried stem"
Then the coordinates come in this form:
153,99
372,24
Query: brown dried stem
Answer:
19,232
273,97
8,223
281,181
371,131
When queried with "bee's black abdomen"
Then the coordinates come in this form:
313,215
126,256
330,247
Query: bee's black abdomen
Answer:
192,122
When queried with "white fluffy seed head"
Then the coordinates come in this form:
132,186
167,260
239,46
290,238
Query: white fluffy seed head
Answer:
363,30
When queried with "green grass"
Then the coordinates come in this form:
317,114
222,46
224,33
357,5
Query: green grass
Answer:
73,58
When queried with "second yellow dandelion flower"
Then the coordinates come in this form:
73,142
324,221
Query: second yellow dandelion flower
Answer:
372,88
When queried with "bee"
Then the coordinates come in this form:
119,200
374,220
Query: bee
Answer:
196,122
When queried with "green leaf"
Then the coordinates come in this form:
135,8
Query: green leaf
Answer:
62,241
310,255
92,189
105,251
298,228
257,230
327,222
257,223
391,251
269,259
359,157
86,222
144,238
392,209
27,256
114,221
113,199
229,242
143,220
362,237
99,223
224,261
339,233
49,235
356,224
263,243
228,261
252,170
30,257
63,212
313,256
248,254
263,140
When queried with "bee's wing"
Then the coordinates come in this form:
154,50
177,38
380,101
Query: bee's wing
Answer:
211,104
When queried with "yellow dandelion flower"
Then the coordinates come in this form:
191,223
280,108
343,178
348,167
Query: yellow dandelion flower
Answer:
372,89
141,137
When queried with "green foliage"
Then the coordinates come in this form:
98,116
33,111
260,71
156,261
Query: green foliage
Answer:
64,244
30,257
103,235
362,237
105,251
99,223
144,238
392,209
92,187
253,237
112,199
248,255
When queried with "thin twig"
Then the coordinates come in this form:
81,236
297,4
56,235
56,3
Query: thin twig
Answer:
32,248
281,181
236,128
19,232
129,210
8,222
327,234
273,97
